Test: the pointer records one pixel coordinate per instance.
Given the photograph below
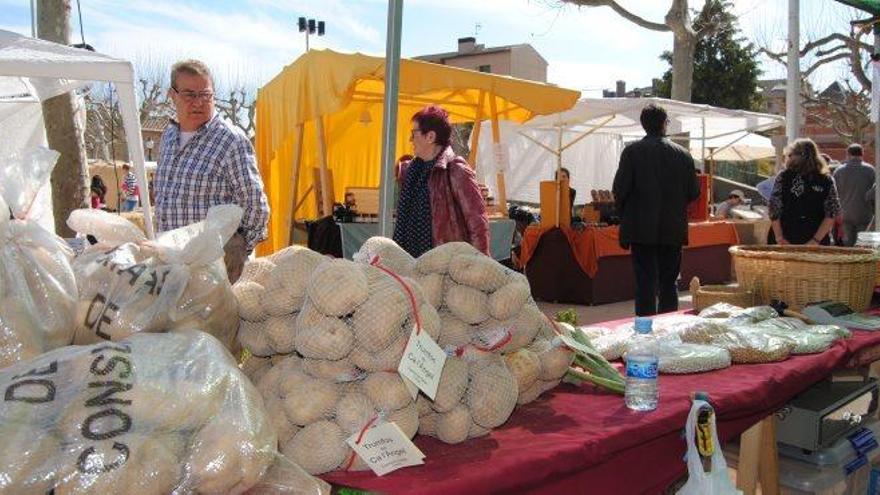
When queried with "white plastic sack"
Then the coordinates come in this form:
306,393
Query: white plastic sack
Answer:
716,481
677,357
37,286
153,414
128,284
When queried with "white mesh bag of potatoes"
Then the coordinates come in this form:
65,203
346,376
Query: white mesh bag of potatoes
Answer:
128,284
37,286
153,414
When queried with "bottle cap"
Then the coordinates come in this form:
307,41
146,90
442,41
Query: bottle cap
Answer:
643,325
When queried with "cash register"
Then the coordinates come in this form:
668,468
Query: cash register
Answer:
838,313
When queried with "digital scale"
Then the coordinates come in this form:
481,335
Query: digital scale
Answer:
838,313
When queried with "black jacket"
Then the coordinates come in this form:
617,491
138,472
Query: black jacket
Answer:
652,188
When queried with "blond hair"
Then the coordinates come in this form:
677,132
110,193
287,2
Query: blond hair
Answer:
805,158
191,67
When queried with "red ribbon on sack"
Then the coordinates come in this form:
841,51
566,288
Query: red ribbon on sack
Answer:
412,298
508,336
360,438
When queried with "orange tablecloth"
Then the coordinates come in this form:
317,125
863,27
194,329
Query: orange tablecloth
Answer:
592,243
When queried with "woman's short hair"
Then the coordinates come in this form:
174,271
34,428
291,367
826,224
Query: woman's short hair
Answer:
652,118
434,118
805,158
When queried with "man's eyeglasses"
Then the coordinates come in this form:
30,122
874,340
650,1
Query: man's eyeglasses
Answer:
191,96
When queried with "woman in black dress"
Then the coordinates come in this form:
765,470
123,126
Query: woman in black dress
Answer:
804,200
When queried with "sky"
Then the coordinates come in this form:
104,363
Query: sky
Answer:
249,41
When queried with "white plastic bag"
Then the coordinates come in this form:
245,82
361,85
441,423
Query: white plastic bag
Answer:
37,286
128,284
716,481
153,414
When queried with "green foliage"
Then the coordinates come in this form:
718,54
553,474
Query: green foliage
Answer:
725,64
569,316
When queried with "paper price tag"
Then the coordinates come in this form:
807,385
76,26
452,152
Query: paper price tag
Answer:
385,448
422,362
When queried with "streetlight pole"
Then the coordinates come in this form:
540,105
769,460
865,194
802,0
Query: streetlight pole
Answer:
793,85
311,26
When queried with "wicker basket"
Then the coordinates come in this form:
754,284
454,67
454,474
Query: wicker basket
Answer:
707,295
799,275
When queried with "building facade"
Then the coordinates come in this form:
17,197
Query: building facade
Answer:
521,61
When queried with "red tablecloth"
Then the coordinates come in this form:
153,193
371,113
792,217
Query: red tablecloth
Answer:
579,440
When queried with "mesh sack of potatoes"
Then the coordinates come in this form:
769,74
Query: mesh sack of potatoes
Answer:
677,357
270,295
128,284
37,285
387,253
151,414
350,336
474,293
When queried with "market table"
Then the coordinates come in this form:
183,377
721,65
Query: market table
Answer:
580,440
500,236
589,267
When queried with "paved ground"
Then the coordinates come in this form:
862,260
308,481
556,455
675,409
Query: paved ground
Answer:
595,314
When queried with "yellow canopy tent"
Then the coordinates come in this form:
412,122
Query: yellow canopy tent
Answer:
325,110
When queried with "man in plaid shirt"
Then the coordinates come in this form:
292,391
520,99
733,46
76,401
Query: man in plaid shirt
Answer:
206,162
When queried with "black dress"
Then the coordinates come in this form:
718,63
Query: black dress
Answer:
801,203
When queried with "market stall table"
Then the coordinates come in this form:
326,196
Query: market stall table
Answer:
589,266
579,440
500,237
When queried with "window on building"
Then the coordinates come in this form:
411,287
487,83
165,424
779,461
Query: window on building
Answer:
485,68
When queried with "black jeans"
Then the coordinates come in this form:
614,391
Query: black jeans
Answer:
656,268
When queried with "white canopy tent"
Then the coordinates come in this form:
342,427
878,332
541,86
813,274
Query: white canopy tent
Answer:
33,70
589,138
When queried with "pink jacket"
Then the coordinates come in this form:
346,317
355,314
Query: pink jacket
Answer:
458,211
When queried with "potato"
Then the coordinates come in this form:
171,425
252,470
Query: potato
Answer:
476,430
287,283
384,360
387,391
477,271
353,411
318,448
281,333
547,385
379,321
432,288
525,366
453,426
229,460
19,339
428,424
389,255
424,405
341,370
278,418
24,468
555,359
252,336
509,300
250,296
492,391
337,287
523,327
466,303
530,394
452,386
310,399
430,321
256,271
329,338
279,301
407,419
437,260
454,333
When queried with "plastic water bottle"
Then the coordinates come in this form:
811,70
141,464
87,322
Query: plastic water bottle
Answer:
641,393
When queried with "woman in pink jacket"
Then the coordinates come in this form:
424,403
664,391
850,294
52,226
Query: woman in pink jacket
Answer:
440,199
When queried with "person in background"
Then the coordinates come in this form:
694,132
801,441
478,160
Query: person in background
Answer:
804,201
564,175
98,191
440,199
152,190
130,190
725,208
653,185
854,179
205,162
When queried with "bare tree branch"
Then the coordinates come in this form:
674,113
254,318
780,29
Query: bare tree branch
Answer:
626,14
819,63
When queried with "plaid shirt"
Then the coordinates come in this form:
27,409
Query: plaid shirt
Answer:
216,167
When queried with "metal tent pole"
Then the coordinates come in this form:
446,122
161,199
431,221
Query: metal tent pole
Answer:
389,120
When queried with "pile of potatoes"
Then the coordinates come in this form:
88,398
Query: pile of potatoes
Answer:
152,414
270,295
348,337
37,291
128,285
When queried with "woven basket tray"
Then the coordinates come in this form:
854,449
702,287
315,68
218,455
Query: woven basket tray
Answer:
799,275
707,295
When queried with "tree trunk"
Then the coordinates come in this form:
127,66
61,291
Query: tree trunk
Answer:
64,131
683,67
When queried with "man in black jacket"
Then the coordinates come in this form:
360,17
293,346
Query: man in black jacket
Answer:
654,183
